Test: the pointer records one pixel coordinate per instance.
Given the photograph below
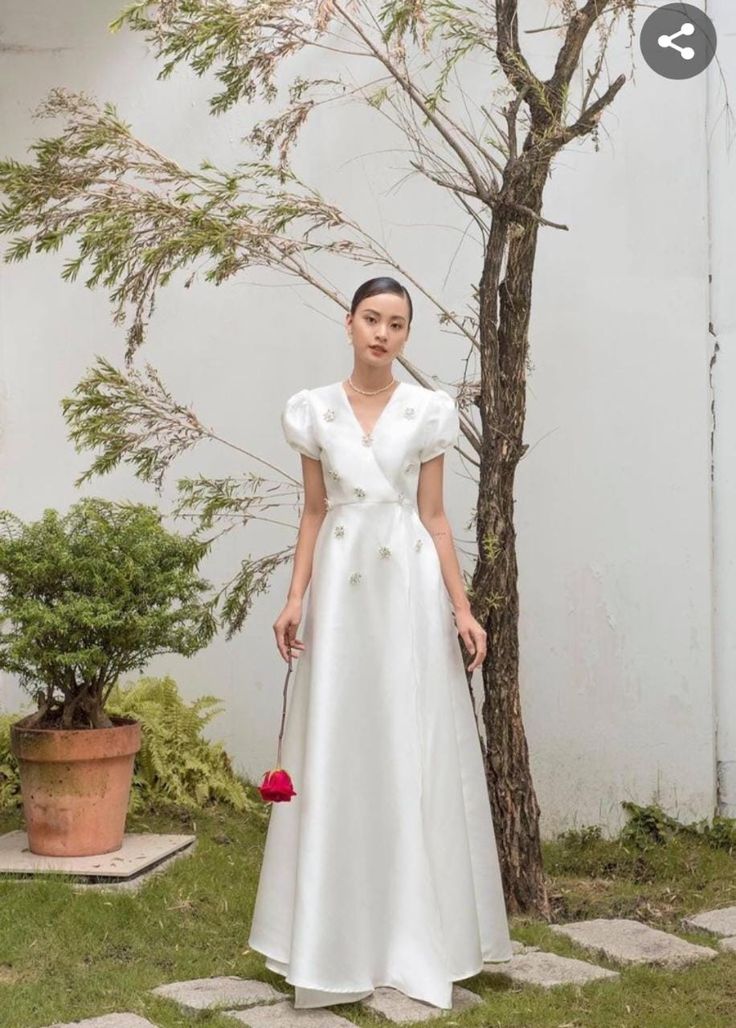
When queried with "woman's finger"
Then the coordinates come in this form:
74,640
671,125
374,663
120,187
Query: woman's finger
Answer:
478,648
282,640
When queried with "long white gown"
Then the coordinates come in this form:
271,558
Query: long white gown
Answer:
383,869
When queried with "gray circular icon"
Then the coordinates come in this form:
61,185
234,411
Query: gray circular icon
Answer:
678,41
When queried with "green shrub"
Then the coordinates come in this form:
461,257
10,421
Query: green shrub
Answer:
90,596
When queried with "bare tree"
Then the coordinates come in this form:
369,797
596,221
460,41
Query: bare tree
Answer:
140,216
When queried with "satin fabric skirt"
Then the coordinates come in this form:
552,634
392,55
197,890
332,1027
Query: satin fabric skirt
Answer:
383,869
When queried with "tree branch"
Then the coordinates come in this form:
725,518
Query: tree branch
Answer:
483,189
569,54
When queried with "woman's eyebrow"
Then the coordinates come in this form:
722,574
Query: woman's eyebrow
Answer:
396,317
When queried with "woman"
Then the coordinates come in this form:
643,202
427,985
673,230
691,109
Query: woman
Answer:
382,869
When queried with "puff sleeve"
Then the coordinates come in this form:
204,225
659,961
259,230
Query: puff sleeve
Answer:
442,426
296,422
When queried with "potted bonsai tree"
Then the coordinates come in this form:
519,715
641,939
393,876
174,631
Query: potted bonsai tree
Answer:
85,598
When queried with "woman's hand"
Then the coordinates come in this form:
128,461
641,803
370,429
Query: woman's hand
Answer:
472,635
285,627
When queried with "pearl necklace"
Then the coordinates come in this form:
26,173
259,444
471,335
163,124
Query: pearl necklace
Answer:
375,392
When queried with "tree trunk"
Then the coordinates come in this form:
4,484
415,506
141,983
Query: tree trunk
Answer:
504,320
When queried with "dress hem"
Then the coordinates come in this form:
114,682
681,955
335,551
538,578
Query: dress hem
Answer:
373,985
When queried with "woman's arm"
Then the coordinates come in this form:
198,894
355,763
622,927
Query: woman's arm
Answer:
313,514
432,515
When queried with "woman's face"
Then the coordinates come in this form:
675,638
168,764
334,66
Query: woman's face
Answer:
379,328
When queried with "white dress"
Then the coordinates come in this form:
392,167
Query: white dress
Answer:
383,869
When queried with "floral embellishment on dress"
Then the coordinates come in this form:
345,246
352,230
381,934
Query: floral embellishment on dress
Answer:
329,414
418,545
355,577
401,498
334,474
410,467
360,493
367,440
385,551
328,503
409,412
339,531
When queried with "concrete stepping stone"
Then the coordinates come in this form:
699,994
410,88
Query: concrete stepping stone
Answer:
631,942
107,1021
720,922
397,1006
206,993
283,1015
533,966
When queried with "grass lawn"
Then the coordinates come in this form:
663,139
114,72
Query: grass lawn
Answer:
65,956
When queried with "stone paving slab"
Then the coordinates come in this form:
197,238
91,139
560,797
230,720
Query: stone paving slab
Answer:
139,851
397,1006
537,967
108,1021
205,993
721,921
729,944
284,1015
631,942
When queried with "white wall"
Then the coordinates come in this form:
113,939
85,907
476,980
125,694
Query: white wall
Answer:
722,222
613,497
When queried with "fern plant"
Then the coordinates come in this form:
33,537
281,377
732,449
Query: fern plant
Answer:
10,797
175,766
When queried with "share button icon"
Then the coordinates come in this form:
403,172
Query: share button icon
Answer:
678,41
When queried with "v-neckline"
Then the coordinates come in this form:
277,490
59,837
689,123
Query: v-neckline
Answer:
385,407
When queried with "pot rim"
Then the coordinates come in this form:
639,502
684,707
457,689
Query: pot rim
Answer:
124,722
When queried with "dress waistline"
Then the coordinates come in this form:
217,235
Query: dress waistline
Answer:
401,501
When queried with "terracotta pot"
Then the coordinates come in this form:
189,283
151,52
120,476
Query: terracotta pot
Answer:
75,785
